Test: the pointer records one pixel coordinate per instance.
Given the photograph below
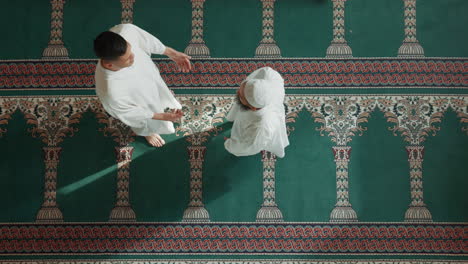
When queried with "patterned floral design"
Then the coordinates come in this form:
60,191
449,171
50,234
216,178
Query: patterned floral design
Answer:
213,73
275,239
341,118
459,105
50,119
201,115
114,128
414,116
123,135
6,110
233,261
293,104
53,119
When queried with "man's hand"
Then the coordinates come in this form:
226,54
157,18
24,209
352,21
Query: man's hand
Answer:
181,59
173,116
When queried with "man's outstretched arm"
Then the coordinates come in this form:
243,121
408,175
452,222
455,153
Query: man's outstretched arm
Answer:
181,59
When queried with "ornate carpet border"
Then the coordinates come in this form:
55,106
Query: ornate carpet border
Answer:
299,73
252,239
229,261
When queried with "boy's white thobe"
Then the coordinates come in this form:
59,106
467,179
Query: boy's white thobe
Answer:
133,94
264,129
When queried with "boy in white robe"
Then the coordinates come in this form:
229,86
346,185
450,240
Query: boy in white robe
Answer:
258,115
129,85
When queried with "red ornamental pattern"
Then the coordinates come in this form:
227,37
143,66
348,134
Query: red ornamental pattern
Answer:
165,66
226,246
215,238
229,73
48,81
48,68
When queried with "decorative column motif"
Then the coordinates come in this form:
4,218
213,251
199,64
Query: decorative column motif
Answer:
267,47
127,11
202,113
414,118
410,46
6,109
56,49
49,211
196,211
123,135
341,117
343,210
417,211
339,47
51,118
464,119
122,211
197,47
269,212
460,106
293,105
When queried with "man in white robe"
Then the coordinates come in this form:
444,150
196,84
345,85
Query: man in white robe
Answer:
258,115
129,85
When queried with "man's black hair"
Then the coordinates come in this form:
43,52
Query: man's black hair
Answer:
109,46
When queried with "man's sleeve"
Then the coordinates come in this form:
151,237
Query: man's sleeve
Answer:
130,114
147,42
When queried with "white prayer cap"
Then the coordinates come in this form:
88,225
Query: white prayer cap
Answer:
257,92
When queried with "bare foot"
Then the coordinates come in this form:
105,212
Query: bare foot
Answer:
155,140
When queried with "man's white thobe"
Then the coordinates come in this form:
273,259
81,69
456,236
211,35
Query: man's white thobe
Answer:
133,94
264,129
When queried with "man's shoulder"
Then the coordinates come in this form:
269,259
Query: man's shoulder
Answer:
122,27
128,31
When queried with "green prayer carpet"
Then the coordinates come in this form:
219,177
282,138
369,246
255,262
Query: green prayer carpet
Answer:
377,116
